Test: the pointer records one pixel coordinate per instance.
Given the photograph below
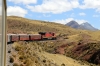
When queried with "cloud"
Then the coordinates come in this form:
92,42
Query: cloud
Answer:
80,21
46,15
64,21
95,15
72,15
23,1
54,6
16,11
98,10
91,4
82,14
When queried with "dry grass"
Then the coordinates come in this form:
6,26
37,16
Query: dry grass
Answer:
23,25
34,26
33,53
25,54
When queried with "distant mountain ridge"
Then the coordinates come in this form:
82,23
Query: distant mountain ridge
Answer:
84,26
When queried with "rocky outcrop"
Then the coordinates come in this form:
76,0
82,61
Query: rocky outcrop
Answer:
61,49
95,58
81,51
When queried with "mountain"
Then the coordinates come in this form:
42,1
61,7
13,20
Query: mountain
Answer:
88,26
84,26
77,44
73,24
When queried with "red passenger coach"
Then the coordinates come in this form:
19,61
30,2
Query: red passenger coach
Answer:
35,37
30,37
14,37
23,37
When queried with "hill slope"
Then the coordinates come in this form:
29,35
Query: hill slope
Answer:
23,25
19,24
37,57
68,39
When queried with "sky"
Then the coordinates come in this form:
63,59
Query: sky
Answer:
59,11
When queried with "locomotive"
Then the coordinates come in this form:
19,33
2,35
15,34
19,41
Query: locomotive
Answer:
31,37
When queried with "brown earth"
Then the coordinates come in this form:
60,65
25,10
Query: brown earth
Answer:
81,45
82,51
31,54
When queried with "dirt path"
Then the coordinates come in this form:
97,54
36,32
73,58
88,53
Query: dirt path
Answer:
62,60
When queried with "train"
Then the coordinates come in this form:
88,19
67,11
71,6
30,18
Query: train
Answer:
31,37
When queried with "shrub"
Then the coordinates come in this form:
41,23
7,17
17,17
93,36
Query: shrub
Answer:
11,60
62,64
15,64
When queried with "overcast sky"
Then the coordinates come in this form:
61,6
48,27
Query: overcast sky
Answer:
60,11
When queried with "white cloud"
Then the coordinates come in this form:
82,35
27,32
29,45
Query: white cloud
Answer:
98,10
72,15
94,4
80,21
46,15
95,15
23,1
16,11
54,6
82,14
59,21
64,21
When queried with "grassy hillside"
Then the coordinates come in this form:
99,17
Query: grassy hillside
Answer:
34,26
31,54
23,25
70,42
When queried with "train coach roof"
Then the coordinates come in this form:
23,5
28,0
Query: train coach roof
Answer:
33,34
11,34
22,34
17,34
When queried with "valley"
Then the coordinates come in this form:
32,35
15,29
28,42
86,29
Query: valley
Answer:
73,47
